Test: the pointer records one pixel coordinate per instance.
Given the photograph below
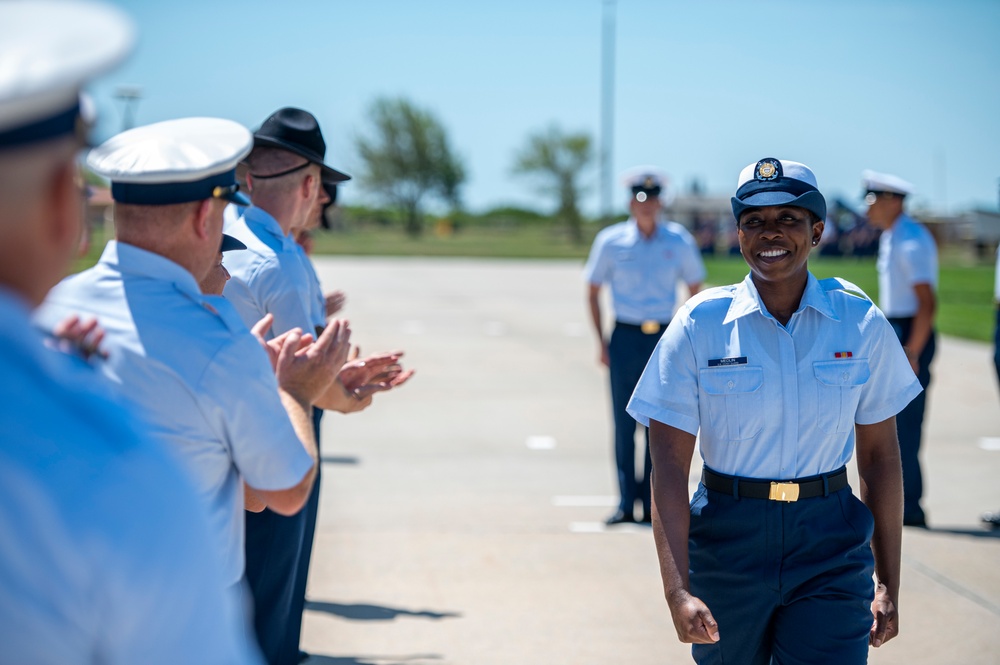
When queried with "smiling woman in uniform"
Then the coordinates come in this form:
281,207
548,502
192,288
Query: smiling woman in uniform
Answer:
784,378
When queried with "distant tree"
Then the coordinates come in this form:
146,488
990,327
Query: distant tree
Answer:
407,160
559,160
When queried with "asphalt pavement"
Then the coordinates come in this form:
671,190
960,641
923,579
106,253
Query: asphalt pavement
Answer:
461,518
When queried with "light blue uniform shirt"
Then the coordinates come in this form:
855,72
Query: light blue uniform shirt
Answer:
643,272
268,277
773,401
105,554
907,256
201,379
316,296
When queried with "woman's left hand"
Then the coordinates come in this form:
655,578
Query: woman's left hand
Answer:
885,625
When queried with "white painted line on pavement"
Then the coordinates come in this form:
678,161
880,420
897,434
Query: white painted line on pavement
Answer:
588,501
586,527
540,442
495,329
991,443
574,329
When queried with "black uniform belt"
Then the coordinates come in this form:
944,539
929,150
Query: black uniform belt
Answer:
651,327
775,490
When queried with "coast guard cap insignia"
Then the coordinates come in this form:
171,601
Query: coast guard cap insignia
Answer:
767,169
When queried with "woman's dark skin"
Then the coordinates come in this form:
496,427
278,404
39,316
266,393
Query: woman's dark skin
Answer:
775,242
790,233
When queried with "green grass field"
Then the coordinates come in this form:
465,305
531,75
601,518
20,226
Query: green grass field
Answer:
965,295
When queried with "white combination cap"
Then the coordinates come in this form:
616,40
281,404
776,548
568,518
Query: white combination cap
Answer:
879,183
175,161
776,182
49,49
644,181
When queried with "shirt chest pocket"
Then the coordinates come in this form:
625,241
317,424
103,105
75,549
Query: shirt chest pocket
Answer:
627,274
839,384
735,401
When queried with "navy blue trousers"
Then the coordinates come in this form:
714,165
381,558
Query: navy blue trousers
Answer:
786,582
305,555
628,351
996,344
275,547
910,424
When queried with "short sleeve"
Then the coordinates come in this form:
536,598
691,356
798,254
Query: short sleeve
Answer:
668,388
264,446
598,267
692,267
892,384
920,258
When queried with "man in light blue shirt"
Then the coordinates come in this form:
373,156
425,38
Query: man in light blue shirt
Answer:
643,260
907,285
105,554
184,358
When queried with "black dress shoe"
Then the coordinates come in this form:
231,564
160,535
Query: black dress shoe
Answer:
620,518
992,519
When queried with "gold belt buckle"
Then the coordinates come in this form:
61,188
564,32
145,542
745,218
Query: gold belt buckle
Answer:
650,327
784,492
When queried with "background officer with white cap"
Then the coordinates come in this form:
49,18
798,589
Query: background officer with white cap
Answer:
642,259
783,378
907,282
106,554
186,359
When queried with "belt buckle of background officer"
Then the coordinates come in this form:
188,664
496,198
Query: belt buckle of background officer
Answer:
650,327
788,492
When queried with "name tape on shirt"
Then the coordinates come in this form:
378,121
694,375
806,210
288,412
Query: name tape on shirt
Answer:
727,362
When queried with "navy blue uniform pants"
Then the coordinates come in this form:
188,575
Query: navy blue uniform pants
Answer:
996,344
786,582
275,547
628,351
305,555
910,424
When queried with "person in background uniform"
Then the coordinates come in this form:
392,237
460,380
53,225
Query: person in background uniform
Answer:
993,519
185,359
106,554
907,282
284,175
215,281
782,378
643,260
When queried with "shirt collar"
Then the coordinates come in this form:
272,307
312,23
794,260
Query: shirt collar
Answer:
261,219
634,235
132,260
746,300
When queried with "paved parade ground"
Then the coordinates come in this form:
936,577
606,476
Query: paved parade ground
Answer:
461,520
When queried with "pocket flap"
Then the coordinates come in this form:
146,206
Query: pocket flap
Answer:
842,372
731,380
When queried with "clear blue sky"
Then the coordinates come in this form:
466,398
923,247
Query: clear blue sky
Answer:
702,88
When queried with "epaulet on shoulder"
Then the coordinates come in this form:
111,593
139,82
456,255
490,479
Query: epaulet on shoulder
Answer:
838,284
713,293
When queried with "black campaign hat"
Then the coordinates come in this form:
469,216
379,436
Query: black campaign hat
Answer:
297,131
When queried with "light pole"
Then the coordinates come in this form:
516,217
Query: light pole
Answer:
130,95
607,105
